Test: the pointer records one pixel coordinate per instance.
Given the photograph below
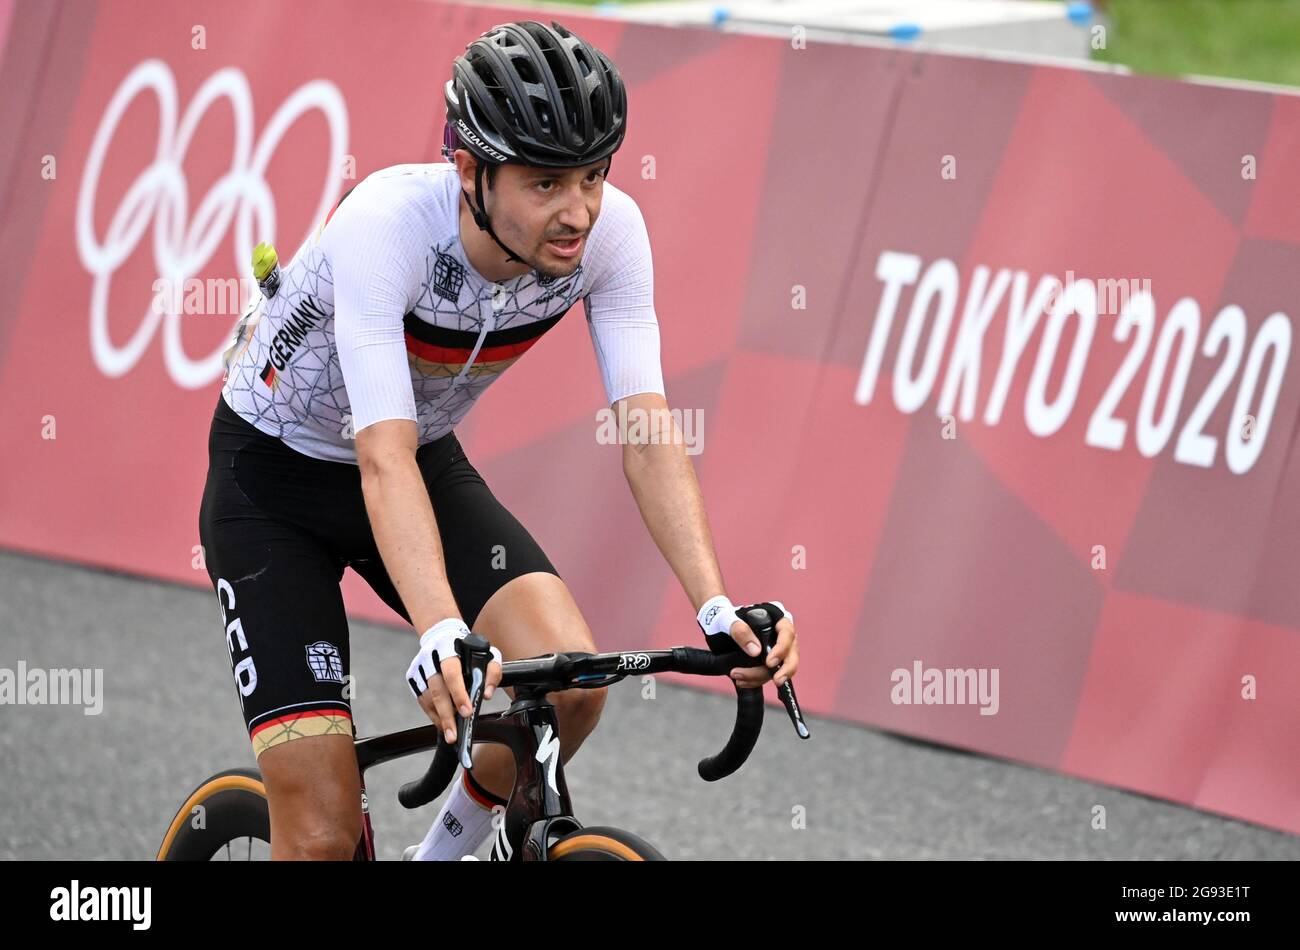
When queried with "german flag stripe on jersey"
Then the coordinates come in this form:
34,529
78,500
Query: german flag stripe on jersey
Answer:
443,346
429,368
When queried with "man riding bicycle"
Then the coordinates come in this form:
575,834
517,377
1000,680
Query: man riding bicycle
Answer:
332,445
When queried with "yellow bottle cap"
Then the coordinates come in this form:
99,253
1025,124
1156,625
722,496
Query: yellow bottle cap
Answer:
264,261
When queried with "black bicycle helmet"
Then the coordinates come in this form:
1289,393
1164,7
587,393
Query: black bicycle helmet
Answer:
532,94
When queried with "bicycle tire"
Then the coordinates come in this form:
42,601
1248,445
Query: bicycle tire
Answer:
602,844
234,805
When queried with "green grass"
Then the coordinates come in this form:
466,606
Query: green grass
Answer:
1240,39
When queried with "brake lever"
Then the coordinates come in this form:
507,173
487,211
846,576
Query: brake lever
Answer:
475,656
764,627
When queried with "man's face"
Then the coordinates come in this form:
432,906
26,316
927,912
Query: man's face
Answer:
545,215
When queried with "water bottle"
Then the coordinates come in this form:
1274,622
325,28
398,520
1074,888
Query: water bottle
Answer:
266,269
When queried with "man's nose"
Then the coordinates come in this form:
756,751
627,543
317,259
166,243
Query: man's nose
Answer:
576,215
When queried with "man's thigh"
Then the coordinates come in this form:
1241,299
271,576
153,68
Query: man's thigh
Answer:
532,615
286,629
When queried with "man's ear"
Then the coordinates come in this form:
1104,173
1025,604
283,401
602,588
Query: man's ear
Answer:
466,167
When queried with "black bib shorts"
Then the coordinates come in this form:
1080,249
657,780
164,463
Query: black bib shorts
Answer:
278,528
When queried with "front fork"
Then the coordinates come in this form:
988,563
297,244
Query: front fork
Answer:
539,806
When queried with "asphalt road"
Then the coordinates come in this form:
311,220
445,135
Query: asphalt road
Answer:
74,786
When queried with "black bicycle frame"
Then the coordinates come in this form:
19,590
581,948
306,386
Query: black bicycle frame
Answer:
539,804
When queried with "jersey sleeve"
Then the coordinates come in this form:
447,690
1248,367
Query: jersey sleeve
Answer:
371,250
620,305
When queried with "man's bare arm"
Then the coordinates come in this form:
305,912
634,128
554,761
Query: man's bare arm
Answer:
668,495
402,519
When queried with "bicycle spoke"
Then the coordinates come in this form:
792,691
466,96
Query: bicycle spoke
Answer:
263,849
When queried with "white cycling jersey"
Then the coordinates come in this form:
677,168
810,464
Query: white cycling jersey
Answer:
380,315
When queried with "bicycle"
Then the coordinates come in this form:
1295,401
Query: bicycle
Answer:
538,822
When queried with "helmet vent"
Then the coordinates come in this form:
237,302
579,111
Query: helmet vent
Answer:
525,70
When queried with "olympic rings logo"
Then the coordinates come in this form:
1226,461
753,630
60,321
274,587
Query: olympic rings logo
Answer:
184,244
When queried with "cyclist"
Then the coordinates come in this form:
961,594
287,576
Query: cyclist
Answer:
333,442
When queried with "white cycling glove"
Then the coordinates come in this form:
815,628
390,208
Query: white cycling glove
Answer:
437,645
718,614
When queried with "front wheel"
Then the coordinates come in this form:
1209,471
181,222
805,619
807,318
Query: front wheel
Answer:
225,819
602,844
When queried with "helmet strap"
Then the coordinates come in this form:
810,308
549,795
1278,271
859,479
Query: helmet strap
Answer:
481,218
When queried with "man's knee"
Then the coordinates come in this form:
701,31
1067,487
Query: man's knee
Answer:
579,707
329,840
304,828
